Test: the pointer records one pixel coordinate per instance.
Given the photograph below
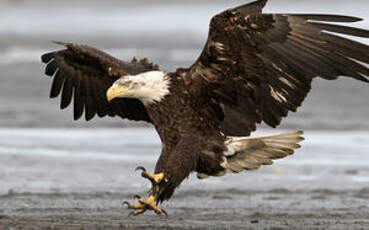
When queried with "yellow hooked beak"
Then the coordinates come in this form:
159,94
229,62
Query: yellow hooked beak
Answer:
115,91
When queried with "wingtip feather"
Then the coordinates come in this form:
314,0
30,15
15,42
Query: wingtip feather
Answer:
329,17
363,79
61,43
45,58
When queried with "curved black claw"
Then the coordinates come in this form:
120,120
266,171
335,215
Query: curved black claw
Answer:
140,168
137,212
125,203
133,213
163,211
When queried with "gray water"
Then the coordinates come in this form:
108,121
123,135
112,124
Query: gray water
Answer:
40,153
78,160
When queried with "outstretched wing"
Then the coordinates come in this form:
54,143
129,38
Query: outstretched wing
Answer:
257,67
86,73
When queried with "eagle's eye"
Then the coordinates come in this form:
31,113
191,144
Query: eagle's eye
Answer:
136,85
125,84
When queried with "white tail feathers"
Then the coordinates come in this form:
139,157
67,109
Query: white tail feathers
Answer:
249,153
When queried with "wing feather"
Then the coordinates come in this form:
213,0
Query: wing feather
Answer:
258,67
51,68
328,18
83,74
57,84
67,93
90,101
341,29
78,98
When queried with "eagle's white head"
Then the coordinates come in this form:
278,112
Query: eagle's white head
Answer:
148,87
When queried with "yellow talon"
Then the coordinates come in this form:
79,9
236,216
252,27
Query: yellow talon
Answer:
137,212
150,203
145,204
154,178
134,206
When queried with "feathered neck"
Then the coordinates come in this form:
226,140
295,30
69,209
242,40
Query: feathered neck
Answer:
152,86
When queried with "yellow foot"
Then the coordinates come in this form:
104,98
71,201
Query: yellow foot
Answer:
145,204
154,178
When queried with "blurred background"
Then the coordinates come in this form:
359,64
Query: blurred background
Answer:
43,150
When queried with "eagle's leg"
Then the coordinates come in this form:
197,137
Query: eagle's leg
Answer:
169,174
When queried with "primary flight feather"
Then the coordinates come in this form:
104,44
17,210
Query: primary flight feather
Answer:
254,68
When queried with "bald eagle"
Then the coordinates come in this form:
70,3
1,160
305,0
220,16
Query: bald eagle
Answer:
254,68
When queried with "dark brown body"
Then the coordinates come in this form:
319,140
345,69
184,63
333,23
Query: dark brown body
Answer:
189,143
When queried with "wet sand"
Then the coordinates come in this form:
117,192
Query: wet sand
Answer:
221,209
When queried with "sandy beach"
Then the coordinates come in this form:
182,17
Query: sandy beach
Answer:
56,173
